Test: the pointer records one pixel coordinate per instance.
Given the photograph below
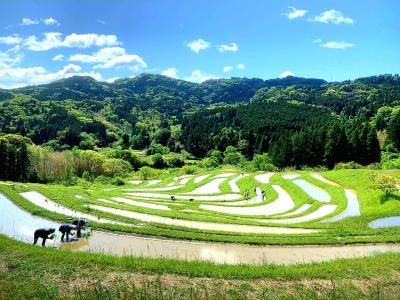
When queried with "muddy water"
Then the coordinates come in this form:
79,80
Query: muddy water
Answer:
121,245
19,224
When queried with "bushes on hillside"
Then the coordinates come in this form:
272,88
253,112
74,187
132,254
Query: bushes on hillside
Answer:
348,165
232,156
126,155
116,167
386,183
14,158
262,162
175,161
155,148
390,160
146,172
47,165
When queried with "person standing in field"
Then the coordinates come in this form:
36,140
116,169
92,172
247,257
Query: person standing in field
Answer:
80,224
44,234
66,229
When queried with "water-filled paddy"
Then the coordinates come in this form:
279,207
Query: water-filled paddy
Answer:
385,222
19,224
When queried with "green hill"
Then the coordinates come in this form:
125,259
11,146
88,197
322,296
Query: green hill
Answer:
281,116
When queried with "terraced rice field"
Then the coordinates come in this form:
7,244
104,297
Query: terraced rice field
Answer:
302,210
263,203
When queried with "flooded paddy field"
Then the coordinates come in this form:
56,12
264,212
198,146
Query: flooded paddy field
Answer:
20,224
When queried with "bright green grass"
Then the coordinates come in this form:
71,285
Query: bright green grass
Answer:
32,272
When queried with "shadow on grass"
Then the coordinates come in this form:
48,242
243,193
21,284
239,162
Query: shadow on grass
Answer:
387,197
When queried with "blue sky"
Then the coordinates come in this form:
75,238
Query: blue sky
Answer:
42,41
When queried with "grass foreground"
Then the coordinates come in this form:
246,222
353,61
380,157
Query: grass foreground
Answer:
31,272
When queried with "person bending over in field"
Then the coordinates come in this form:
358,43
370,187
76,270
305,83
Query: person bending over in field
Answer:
80,224
66,229
44,234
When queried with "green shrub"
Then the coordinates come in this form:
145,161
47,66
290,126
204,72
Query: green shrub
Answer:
116,167
158,161
247,166
176,160
209,163
117,181
86,176
157,148
390,160
145,173
232,156
386,183
126,155
88,141
102,179
216,155
262,162
190,170
348,165
374,166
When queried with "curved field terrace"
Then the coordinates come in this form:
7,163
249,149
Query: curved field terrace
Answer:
300,208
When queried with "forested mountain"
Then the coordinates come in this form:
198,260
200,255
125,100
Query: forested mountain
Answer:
152,86
297,121
76,87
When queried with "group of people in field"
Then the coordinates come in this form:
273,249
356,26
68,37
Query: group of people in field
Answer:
65,229
247,194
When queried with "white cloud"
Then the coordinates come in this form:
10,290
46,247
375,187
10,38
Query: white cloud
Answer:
46,21
332,16
170,72
337,45
58,57
55,40
51,40
65,72
102,22
14,39
51,21
90,39
16,77
131,61
199,77
111,57
198,45
101,56
111,80
28,22
286,74
9,58
227,69
294,13
232,47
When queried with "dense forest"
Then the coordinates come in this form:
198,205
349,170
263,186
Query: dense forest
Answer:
297,121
